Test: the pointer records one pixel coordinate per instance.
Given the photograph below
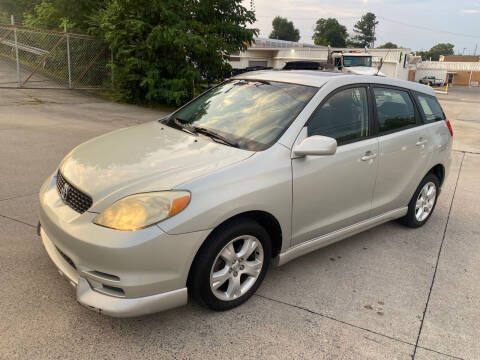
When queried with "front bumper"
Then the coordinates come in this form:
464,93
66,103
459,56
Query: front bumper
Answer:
109,305
117,273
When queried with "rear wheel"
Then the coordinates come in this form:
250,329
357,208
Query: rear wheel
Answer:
423,202
231,265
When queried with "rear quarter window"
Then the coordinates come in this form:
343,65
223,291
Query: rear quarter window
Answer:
430,108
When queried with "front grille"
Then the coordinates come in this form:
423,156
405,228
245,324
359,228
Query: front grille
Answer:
71,196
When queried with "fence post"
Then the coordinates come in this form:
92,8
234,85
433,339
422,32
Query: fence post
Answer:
111,60
16,50
68,57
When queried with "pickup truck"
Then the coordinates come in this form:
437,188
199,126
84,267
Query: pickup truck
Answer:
431,80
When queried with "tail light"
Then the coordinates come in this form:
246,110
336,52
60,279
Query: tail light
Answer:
449,126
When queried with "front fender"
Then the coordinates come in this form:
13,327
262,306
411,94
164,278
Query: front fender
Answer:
263,182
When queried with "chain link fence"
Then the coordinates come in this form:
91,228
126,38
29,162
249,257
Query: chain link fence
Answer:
38,58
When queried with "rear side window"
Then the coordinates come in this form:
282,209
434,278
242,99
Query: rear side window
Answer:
344,116
395,109
430,108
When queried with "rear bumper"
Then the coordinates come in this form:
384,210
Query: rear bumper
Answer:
109,305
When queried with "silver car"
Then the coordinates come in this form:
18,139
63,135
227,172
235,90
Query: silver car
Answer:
261,169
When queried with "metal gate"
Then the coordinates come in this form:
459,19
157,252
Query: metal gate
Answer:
38,58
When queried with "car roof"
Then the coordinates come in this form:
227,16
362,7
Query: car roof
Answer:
319,78
303,77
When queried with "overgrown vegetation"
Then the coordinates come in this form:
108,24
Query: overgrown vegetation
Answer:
17,8
165,51
52,14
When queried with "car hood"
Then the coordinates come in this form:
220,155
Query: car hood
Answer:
148,157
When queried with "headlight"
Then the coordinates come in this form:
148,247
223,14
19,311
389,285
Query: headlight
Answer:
138,211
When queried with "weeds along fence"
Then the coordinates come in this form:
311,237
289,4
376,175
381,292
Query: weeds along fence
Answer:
38,58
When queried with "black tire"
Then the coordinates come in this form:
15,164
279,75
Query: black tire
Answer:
410,219
199,278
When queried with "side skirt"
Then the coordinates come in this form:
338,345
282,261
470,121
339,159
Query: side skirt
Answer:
330,238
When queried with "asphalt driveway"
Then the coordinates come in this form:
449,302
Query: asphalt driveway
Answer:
387,293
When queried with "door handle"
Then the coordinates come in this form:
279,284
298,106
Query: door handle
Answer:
368,156
421,142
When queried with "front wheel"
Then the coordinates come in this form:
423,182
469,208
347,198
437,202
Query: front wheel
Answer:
231,265
423,202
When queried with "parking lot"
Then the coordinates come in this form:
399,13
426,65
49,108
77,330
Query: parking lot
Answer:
387,293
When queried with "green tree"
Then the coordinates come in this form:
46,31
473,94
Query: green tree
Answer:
52,14
164,48
330,32
284,30
44,15
437,50
4,18
17,8
365,31
388,45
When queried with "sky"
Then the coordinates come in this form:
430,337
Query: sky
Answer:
414,24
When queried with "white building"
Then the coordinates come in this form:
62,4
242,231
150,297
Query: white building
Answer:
452,72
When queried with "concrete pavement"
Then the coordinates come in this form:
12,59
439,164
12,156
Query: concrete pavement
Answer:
462,107
387,293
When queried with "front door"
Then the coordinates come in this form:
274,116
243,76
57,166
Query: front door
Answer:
335,191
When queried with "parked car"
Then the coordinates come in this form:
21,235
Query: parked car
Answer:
432,80
264,167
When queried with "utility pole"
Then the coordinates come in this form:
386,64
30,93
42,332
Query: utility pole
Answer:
475,51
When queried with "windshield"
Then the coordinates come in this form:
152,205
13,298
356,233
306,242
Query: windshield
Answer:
250,114
349,61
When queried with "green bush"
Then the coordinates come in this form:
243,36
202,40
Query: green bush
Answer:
165,50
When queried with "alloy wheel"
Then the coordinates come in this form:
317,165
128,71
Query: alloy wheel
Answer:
236,268
425,201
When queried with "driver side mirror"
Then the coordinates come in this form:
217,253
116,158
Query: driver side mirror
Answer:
316,145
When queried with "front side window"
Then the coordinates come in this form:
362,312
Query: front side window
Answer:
344,116
249,114
395,109
430,107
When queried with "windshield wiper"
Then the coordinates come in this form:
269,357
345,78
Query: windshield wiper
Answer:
195,130
215,136
185,127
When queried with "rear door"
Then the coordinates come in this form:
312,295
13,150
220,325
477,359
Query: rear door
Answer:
334,191
434,120
405,148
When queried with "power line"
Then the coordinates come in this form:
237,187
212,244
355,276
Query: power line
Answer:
429,29
390,20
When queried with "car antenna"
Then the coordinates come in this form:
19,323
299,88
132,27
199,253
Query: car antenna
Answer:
381,63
